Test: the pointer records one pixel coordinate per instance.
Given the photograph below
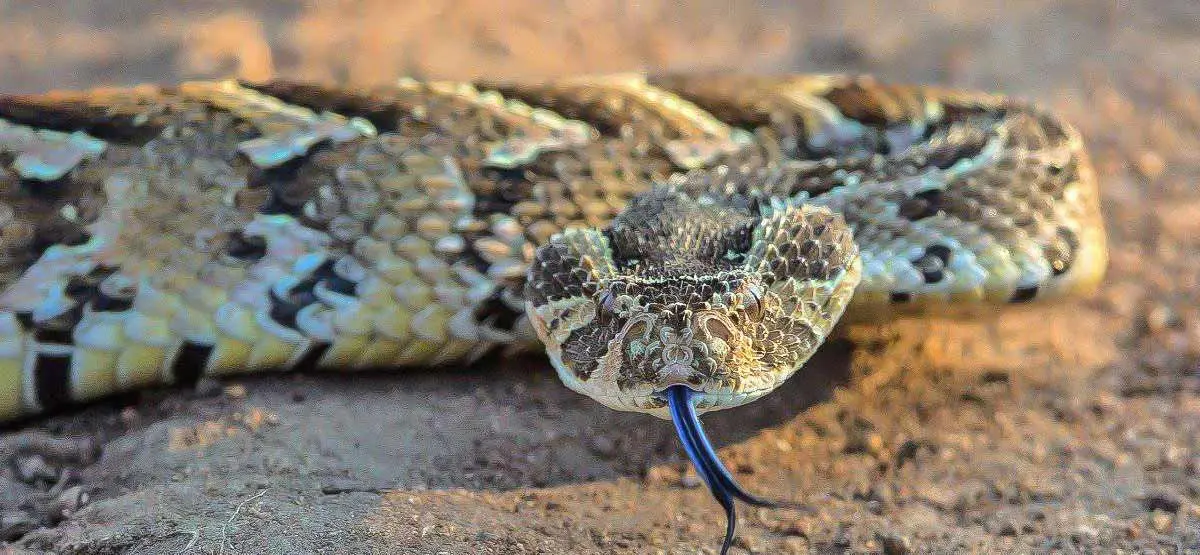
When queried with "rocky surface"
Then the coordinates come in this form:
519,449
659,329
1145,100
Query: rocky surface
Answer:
1068,428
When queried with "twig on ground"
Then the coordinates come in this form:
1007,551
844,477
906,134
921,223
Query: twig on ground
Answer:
238,510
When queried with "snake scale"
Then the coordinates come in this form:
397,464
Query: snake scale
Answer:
678,244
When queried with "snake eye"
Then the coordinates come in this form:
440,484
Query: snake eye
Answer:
751,304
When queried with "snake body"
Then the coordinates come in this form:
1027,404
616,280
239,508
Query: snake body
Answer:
701,232
154,234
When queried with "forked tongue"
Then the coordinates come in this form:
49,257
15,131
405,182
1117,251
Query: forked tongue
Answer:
708,466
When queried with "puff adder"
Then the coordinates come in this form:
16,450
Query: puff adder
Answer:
677,244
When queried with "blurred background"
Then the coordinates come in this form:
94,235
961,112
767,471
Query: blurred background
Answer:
1019,44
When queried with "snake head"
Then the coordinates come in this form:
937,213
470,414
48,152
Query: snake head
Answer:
720,293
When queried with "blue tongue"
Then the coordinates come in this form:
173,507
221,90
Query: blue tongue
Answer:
704,458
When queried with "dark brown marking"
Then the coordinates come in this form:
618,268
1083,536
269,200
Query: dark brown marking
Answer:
73,111
377,107
311,357
922,205
190,362
247,248
1024,294
932,264
52,379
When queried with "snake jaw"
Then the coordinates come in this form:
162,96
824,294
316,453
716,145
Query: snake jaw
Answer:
681,402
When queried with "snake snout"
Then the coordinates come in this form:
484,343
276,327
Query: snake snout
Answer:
676,374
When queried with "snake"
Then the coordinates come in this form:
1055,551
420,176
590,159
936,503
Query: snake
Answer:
675,244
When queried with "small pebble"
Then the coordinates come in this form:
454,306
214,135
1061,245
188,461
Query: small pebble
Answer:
235,391
603,446
795,545
1133,531
895,544
70,501
875,444
129,416
79,450
747,543
1160,317
347,486
939,497
1161,521
1085,531
34,468
14,524
1150,164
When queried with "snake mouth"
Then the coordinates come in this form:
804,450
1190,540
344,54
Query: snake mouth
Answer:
681,402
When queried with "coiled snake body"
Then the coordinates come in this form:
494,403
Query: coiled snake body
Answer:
677,244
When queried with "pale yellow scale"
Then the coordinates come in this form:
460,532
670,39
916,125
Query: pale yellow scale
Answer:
12,360
700,140
531,131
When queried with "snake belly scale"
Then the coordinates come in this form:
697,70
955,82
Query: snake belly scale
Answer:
677,244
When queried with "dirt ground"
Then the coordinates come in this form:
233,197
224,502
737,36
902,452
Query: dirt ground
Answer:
1068,428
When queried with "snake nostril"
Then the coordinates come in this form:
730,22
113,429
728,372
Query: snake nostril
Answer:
673,373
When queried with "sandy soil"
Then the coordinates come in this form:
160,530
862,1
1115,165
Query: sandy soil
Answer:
1069,428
